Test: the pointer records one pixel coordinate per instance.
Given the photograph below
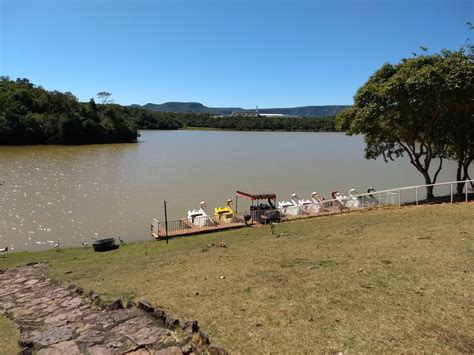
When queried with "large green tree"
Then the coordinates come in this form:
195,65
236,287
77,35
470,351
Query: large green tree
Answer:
458,98
418,108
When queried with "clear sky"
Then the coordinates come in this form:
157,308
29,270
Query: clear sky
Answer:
270,53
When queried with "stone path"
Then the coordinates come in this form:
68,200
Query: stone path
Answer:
55,319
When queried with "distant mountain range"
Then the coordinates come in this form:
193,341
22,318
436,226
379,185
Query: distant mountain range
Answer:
196,107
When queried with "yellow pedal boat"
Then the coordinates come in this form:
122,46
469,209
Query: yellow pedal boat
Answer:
225,214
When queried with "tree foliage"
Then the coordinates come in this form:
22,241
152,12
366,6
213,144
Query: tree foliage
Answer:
421,108
31,115
105,97
258,123
175,120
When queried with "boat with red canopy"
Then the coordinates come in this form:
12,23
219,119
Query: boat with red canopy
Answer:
263,206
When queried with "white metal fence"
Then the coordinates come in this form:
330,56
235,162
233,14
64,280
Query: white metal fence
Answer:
443,192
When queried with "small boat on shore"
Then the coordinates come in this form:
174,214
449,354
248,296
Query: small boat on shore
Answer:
106,244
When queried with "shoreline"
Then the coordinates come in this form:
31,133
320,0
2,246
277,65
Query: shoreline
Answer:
437,203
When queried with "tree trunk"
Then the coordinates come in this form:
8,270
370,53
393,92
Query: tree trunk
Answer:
429,193
460,185
462,174
429,189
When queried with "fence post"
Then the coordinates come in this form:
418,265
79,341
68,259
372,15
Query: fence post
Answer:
416,195
451,187
399,197
466,189
166,221
380,198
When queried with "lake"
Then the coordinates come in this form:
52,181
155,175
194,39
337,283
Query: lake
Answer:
76,193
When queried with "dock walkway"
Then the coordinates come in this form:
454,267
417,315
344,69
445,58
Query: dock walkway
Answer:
187,228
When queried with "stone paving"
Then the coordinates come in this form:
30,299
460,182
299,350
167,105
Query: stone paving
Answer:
55,319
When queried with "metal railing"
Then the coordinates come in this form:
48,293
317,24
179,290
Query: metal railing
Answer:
402,196
443,192
193,225
397,197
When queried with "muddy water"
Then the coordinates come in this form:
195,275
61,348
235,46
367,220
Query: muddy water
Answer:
73,194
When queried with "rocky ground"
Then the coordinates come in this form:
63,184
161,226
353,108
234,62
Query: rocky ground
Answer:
59,319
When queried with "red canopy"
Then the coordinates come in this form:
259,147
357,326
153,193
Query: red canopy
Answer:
253,196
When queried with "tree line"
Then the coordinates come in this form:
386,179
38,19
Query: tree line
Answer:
257,123
30,114
146,119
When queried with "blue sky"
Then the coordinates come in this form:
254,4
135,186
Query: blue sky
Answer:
270,53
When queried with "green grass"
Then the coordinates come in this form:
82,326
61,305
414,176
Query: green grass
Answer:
380,281
9,336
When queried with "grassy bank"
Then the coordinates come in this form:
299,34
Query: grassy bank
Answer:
379,281
9,336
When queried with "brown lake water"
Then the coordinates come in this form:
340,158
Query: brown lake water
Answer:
77,193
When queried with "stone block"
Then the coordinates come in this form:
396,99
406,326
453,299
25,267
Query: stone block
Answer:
146,306
216,349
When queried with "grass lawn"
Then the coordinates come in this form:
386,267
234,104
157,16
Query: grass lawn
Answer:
382,281
9,336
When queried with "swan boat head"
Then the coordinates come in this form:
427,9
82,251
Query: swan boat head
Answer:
200,212
293,202
316,197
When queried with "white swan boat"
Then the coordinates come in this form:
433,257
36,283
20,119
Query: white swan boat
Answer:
340,200
200,217
291,207
353,201
306,206
370,199
316,203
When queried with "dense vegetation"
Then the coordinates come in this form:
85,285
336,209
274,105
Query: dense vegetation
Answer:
421,108
31,115
171,120
245,123
145,119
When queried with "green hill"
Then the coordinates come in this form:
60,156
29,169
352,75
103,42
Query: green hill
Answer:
196,107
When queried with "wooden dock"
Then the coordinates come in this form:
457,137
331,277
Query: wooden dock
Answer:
192,229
